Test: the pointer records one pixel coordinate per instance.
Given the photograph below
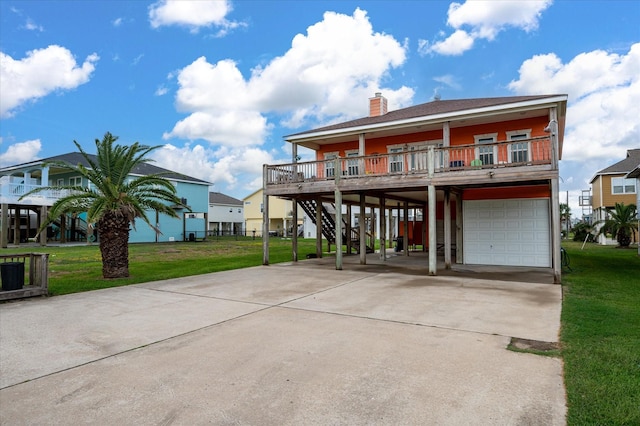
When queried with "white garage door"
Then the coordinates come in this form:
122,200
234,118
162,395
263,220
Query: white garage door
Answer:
507,232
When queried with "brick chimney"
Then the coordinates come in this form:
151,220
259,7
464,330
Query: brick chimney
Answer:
377,105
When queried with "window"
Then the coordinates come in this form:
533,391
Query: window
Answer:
75,181
486,154
395,161
330,166
60,182
352,163
623,186
519,151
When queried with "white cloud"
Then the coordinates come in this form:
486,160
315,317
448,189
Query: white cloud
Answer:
448,80
21,152
40,73
604,106
117,22
32,26
229,169
604,95
484,19
161,90
192,14
321,78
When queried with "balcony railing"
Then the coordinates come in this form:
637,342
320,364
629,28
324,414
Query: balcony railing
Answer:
433,160
12,191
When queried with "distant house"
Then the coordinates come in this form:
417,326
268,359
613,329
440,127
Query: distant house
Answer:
613,185
19,179
226,215
280,215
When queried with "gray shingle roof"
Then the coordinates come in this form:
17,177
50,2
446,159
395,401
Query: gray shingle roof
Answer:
430,108
624,166
220,198
142,169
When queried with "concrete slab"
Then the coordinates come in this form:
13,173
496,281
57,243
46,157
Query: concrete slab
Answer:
284,345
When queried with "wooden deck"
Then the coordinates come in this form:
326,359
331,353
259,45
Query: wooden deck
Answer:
442,167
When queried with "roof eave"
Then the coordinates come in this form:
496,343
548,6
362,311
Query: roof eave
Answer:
433,119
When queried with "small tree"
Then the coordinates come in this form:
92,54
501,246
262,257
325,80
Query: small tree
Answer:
622,222
115,199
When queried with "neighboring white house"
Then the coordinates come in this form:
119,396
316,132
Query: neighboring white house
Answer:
226,215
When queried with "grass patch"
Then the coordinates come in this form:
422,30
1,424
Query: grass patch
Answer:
74,269
600,335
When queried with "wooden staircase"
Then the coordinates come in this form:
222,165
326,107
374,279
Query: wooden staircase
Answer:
328,225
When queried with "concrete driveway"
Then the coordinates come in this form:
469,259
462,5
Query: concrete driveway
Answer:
288,344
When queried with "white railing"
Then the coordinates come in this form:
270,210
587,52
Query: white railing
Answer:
520,153
12,191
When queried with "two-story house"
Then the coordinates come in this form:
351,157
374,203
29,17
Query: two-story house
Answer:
612,185
485,170
21,218
226,215
280,216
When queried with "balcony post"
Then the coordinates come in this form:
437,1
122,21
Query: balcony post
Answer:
431,161
553,137
555,231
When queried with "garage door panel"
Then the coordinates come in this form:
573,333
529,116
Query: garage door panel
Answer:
507,232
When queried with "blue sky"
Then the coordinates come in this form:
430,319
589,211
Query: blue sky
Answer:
219,83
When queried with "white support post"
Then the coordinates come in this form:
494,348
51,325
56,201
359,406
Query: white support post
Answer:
556,261
338,200
433,244
363,230
294,227
383,230
265,218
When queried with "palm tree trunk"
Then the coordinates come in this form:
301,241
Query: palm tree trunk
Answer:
114,245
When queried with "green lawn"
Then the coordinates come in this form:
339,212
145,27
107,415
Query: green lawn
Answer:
601,335
78,268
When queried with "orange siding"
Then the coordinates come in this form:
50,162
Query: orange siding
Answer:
537,191
459,136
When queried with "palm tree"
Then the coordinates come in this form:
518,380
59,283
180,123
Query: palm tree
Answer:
622,222
114,199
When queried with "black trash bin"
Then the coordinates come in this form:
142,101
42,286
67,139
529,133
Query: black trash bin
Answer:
12,274
399,243
192,237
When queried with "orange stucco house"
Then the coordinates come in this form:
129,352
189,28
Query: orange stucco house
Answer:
483,172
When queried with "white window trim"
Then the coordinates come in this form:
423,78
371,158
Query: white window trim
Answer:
510,135
353,166
494,136
624,183
328,165
399,150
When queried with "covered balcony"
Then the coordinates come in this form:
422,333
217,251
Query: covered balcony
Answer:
504,161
